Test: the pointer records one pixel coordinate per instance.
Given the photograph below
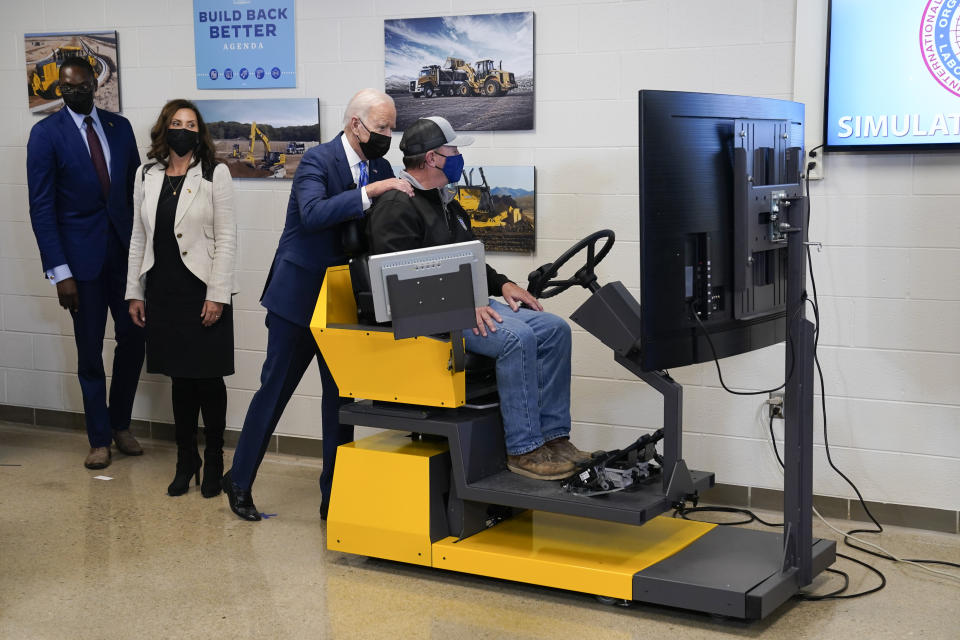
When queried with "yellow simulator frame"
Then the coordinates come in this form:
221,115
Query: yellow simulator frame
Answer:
432,489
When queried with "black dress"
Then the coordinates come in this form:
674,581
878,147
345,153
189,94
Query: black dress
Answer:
178,345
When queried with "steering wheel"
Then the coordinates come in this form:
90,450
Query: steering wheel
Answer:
541,283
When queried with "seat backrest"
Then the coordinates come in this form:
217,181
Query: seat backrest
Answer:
360,279
353,236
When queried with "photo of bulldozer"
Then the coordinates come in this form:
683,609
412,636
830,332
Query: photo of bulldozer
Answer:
458,78
46,52
503,221
45,79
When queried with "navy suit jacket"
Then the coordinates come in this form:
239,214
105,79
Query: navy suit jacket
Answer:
323,197
69,213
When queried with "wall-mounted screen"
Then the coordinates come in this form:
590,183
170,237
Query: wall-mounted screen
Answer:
893,75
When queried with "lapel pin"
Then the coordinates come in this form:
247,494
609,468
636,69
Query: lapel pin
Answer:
189,191
110,123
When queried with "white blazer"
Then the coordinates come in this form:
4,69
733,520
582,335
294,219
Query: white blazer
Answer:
204,225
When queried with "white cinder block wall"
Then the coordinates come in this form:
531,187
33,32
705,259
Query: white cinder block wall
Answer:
888,277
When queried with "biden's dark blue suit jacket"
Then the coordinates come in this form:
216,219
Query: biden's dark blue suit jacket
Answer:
323,196
70,216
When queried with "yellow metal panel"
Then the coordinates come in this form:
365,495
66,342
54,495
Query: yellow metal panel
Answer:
566,552
341,308
380,504
372,364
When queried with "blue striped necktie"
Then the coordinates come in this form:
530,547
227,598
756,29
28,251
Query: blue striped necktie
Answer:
362,180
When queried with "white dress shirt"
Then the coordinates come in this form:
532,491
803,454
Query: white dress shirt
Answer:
353,159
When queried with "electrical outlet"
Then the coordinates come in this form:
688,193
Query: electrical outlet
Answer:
815,166
775,402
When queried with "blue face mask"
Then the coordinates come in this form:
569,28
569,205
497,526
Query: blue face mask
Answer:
453,168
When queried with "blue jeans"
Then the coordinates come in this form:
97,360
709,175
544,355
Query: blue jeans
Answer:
532,349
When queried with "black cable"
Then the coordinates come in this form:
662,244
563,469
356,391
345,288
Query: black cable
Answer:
752,517
716,360
774,441
831,594
838,594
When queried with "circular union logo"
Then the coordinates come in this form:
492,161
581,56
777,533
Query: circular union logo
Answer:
213,74
275,72
228,73
940,42
244,74
259,73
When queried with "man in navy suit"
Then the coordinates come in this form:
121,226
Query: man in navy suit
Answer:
336,182
80,167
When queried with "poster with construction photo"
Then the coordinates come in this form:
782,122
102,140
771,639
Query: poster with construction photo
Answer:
45,52
262,138
475,71
501,202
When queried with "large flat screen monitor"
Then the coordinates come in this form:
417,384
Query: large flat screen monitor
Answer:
893,75
716,174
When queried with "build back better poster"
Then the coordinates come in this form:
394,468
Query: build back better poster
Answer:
245,44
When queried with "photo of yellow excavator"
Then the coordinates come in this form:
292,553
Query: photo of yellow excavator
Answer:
274,161
287,128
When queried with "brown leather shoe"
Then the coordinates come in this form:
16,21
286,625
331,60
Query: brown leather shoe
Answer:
126,443
98,458
541,464
562,448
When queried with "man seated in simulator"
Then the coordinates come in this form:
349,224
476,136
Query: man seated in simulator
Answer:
531,346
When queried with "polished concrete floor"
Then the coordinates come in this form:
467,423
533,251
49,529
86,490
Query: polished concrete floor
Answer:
88,558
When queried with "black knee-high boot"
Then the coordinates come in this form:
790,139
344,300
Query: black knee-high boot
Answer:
213,405
185,413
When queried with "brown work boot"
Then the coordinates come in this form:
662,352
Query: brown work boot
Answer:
562,448
541,464
98,458
126,443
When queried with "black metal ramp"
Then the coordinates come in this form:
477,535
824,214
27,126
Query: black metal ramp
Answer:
728,571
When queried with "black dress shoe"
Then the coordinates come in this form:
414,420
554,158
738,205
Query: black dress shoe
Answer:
241,501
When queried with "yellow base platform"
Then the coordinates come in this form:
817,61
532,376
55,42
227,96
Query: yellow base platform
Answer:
567,552
388,489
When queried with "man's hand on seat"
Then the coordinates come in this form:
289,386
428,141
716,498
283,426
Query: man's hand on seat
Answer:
486,318
514,295
380,187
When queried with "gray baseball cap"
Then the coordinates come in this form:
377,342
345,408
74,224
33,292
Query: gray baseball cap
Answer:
431,133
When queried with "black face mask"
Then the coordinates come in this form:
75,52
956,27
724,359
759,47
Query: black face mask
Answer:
182,141
79,102
377,146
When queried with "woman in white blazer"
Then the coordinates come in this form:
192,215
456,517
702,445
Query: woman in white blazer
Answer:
180,279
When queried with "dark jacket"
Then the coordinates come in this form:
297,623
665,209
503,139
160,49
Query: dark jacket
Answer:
397,222
69,214
323,197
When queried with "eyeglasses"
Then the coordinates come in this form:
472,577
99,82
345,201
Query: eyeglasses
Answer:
72,89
